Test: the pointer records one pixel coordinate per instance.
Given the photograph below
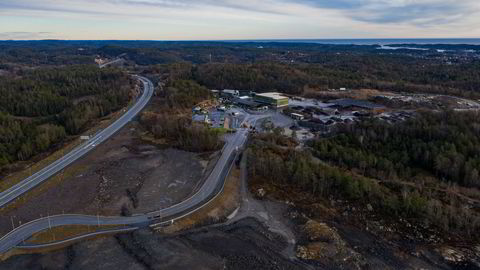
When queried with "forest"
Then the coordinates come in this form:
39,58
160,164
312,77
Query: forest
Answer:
171,118
267,66
287,169
387,73
444,145
41,107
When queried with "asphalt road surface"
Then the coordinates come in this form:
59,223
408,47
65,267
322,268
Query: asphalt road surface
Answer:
233,144
60,164
111,62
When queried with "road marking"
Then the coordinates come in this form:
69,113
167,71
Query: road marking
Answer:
76,153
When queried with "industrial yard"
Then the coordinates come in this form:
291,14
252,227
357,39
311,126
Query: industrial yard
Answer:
307,118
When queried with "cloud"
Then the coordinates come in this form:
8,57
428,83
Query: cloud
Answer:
419,12
97,7
265,6
25,35
47,6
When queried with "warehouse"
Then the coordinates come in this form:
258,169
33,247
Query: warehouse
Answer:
230,93
274,100
353,104
248,104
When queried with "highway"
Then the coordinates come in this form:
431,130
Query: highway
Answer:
233,145
60,164
111,62
199,199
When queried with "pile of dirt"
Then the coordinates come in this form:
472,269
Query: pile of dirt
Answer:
336,235
325,244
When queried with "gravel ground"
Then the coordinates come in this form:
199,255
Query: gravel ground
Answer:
246,244
122,173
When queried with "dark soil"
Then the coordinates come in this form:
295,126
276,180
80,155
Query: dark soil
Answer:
125,175
246,244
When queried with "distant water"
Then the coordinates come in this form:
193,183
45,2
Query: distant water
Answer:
426,41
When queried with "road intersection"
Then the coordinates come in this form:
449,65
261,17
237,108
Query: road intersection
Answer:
209,189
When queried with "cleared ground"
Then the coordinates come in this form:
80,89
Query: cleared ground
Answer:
123,176
243,245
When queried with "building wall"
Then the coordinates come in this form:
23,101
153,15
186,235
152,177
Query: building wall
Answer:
266,100
272,102
282,102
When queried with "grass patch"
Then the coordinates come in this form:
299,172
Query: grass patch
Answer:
44,250
66,232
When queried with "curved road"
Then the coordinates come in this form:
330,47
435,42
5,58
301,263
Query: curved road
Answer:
196,201
52,169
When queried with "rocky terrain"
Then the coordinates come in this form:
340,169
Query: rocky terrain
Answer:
246,244
123,176
262,233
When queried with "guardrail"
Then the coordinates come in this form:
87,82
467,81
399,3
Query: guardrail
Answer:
50,217
78,152
226,170
144,219
76,238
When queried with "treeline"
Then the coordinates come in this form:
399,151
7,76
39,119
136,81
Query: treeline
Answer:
42,107
388,73
288,168
180,132
284,67
49,91
171,119
21,140
35,53
397,72
446,145
183,94
256,77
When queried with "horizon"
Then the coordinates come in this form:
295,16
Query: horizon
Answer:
338,42
247,40
231,20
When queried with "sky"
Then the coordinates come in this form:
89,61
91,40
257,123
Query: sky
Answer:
237,19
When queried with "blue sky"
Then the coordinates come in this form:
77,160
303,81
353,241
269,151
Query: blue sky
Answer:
238,19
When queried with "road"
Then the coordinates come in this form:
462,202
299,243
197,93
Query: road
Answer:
111,62
60,164
215,179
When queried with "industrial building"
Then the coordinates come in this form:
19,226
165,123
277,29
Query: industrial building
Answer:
274,100
297,116
248,104
352,104
200,118
230,93
217,119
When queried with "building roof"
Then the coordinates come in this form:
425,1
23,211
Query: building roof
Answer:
347,102
230,91
199,117
247,102
272,95
217,118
